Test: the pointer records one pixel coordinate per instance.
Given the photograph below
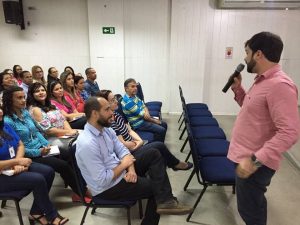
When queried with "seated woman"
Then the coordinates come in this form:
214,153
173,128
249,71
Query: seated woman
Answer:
27,175
50,119
36,146
38,75
133,141
79,86
67,80
56,93
6,81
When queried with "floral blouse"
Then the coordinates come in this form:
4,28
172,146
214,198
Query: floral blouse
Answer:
53,118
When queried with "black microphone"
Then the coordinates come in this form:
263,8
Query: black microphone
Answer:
237,71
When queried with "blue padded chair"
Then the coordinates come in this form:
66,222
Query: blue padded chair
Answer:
210,170
127,204
211,147
16,196
152,104
191,105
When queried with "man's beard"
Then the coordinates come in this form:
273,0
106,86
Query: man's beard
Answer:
104,123
251,65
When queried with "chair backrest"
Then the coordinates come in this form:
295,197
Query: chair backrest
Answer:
195,156
140,93
120,110
81,184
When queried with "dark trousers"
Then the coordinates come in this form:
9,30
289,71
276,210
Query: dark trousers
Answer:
156,186
251,200
62,167
158,130
37,179
170,160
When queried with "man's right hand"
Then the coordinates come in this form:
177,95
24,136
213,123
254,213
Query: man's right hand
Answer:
127,160
237,82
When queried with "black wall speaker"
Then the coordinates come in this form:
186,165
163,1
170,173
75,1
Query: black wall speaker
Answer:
12,12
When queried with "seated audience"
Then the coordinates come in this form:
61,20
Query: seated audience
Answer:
26,78
67,81
56,94
112,173
91,85
27,175
36,146
52,76
38,75
138,115
17,69
79,86
6,81
134,142
49,118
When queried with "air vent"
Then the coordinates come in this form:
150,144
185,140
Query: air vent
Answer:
258,4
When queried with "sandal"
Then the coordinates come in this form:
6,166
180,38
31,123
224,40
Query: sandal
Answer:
62,220
37,219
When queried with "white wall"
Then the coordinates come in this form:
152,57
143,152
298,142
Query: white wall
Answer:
199,35
57,36
160,43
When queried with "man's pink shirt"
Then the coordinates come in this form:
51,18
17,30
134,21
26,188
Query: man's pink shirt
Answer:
268,123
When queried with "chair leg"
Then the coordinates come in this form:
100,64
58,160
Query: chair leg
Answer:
93,210
196,203
141,208
1,214
182,133
180,117
128,216
3,204
181,124
184,144
84,215
19,212
188,156
233,189
189,180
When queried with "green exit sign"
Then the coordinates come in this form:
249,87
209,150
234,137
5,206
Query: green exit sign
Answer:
108,30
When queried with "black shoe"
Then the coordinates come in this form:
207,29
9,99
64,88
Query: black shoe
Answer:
189,166
172,207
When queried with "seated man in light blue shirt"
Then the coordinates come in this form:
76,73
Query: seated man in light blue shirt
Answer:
112,173
27,79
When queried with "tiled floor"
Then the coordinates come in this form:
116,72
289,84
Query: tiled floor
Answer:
218,206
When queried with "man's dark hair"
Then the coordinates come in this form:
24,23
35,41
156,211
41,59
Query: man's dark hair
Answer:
8,98
129,80
270,44
23,73
87,70
91,104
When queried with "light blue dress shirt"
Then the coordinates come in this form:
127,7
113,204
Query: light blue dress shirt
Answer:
97,154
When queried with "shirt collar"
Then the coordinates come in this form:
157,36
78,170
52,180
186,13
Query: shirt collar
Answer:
268,73
93,129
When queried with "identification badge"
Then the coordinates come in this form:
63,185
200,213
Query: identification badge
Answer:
12,152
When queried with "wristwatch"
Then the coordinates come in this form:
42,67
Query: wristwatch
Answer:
255,161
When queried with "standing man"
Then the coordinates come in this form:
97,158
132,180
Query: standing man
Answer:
267,125
91,85
112,173
138,115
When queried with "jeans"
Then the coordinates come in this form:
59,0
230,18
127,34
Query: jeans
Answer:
158,130
152,183
37,179
252,203
170,160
